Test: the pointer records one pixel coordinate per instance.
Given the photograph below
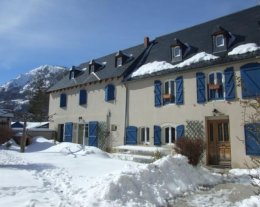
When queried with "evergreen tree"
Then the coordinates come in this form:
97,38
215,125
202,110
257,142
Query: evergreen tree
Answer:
39,100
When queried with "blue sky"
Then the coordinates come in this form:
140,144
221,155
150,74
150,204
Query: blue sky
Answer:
69,32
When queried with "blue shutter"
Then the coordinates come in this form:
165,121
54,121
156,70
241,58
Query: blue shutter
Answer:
157,135
157,93
68,132
201,94
172,92
252,139
230,84
93,140
179,90
180,131
63,100
131,135
82,97
250,80
109,92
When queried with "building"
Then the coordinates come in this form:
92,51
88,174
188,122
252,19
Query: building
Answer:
5,117
183,84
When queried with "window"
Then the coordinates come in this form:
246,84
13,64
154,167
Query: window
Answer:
177,51
169,135
220,41
119,61
63,100
169,92
215,86
145,135
110,92
82,97
92,68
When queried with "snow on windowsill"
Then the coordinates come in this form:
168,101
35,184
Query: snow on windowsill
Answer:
245,48
157,66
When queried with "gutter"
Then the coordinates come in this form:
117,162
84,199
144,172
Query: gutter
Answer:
126,110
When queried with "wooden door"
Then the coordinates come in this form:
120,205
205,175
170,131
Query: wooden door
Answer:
219,152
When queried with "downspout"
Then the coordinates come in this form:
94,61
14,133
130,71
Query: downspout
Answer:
126,110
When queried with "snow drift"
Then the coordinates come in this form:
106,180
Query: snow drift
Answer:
152,184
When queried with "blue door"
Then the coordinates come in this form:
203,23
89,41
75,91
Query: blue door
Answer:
68,132
157,135
93,141
131,135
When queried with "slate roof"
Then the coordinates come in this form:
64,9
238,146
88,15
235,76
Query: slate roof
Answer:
108,71
244,25
6,113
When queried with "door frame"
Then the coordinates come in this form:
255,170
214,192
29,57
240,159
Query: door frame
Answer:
216,118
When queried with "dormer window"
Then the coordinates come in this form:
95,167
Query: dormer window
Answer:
177,51
72,74
119,61
95,66
92,68
220,40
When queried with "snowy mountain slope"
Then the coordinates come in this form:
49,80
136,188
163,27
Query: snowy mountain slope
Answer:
23,80
15,93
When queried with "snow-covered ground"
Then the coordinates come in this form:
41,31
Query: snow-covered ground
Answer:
65,174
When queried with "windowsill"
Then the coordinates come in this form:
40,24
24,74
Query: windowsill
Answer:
217,100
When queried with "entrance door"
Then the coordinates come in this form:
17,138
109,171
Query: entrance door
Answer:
219,152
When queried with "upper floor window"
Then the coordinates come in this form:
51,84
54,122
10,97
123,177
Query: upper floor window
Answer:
63,100
109,92
119,61
169,92
82,97
145,135
215,86
220,41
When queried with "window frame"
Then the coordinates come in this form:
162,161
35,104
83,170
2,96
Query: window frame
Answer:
145,135
171,138
169,91
217,91
217,37
81,101
63,100
119,61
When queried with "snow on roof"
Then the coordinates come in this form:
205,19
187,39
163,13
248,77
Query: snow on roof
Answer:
30,125
150,68
241,49
156,66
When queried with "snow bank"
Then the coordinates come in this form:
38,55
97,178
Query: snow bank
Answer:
156,66
253,201
241,49
151,184
66,148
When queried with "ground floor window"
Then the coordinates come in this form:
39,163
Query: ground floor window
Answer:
145,135
169,135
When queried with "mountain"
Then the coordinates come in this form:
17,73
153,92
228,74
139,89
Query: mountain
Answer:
16,93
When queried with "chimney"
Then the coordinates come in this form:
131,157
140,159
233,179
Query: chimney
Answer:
146,41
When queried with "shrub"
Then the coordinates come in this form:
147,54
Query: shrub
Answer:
157,155
5,134
191,148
